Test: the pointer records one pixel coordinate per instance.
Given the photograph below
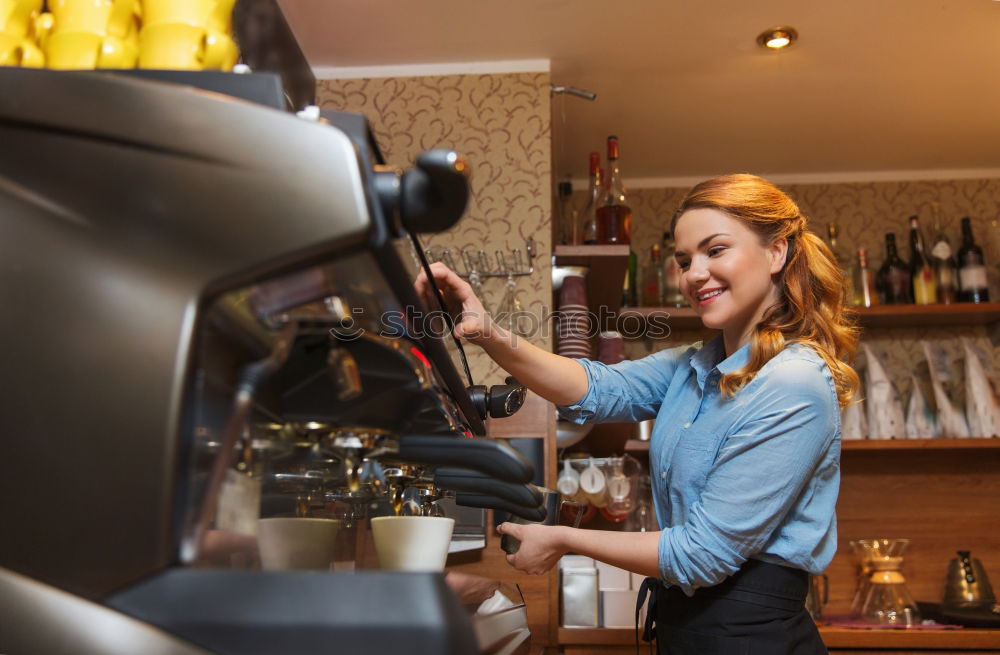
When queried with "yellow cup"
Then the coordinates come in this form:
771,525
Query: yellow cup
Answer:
87,51
17,16
102,17
213,15
20,52
177,46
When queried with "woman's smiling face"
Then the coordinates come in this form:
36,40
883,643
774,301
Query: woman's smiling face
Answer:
726,272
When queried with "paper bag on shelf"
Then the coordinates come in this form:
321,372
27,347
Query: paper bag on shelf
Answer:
982,407
920,422
950,421
885,410
853,423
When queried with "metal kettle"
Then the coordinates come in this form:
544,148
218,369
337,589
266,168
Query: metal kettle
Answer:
966,581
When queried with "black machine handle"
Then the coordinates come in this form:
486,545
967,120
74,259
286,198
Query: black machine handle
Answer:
434,193
494,457
499,400
485,501
475,482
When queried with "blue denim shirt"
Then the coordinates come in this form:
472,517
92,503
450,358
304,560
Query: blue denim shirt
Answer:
755,475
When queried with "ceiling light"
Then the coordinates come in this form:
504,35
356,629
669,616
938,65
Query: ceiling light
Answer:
777,38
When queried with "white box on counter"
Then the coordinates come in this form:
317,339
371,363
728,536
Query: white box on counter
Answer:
579,597
618,609
612,578
576,562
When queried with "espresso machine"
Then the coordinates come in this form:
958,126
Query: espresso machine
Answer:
210,319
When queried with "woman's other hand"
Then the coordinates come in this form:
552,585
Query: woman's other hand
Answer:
471,320
541,546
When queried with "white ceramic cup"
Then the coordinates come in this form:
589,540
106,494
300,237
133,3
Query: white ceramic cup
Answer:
296,543
412,543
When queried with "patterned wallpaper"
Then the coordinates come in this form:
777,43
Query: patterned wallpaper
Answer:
501,124
864,212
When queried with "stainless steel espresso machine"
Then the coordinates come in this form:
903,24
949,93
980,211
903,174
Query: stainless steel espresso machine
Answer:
209,319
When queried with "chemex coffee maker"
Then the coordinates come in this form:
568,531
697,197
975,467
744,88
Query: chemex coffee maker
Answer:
210,321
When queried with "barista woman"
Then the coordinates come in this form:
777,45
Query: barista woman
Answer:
745,452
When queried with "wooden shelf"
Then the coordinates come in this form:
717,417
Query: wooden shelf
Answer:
607,266
685,318
636,446
967,638
921,444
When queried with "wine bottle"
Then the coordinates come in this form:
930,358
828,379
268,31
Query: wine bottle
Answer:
845,266
652,279
894,275
672,296
614,216
589,227
943,260
921,271
971,268
865,294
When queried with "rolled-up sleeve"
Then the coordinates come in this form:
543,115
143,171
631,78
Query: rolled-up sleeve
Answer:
775,448
632,390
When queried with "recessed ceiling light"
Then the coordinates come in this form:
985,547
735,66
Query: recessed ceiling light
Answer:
777,38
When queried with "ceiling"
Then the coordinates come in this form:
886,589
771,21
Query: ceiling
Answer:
871,88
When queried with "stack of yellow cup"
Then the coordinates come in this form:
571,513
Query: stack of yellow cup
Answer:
88,34
17,33
187,35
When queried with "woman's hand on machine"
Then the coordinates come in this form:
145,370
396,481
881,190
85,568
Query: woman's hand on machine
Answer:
540,549
471,320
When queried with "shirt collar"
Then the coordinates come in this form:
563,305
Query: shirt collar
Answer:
712,356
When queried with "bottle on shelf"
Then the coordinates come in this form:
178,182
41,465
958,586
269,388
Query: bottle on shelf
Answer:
921,270
653,279
894,276
845,265
569,230
672,296
630,296
588,229
865,294
971,268
943,260
614,216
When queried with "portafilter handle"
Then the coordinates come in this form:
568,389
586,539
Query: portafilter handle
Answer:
475,482
494,457
535,514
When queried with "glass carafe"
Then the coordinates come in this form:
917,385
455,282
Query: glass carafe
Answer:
888,601
866,551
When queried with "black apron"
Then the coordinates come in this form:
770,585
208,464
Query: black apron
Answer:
759,610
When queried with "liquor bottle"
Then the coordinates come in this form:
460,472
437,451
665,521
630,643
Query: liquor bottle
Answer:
865,294
614,216
894,275
630,295
943,260
588,231
921,270
971,268
672,296
568,225
845,265
653,279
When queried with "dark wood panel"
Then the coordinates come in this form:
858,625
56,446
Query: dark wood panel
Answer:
941,500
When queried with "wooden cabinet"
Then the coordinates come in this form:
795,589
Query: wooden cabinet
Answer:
942,494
